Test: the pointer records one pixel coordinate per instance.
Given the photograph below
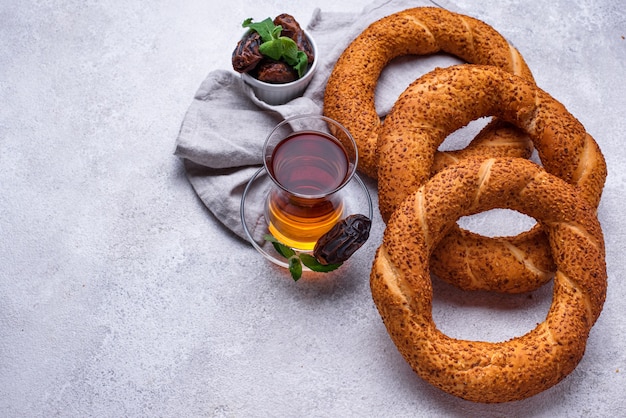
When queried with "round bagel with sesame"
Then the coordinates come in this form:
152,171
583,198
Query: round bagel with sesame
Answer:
349,97
444,100
402,290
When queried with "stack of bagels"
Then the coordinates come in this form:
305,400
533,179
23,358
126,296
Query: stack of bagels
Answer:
423,192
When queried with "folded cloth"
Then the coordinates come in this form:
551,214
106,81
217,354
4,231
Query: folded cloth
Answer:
222,134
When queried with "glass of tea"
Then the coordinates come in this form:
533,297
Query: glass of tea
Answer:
309,158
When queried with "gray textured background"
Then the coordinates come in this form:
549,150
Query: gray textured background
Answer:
120,295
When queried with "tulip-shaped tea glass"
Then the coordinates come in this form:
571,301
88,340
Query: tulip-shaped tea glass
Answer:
309,158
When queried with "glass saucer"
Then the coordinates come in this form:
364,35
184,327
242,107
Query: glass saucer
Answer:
357,200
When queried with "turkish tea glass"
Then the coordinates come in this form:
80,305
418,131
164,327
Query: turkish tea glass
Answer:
310,158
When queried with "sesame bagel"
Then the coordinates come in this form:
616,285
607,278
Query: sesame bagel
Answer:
443,101
402,290
349,97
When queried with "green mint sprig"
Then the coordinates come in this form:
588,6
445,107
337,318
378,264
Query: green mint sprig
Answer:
296,260
276,46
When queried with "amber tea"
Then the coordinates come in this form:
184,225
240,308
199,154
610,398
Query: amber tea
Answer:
309,167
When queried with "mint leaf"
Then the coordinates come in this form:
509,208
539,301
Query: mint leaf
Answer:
312,263
296,260
295,268
280,248
290,49
266,29
273,49
292,55
302,64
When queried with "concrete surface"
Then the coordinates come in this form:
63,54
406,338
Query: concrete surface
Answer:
121,296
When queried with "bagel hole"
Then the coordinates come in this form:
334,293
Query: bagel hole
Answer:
486,316
497,223
401,72
460,138
534,157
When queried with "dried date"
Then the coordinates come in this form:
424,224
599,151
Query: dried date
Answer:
347,236
246,55
275,72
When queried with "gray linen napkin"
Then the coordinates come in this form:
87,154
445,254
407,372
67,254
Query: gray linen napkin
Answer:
222,134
